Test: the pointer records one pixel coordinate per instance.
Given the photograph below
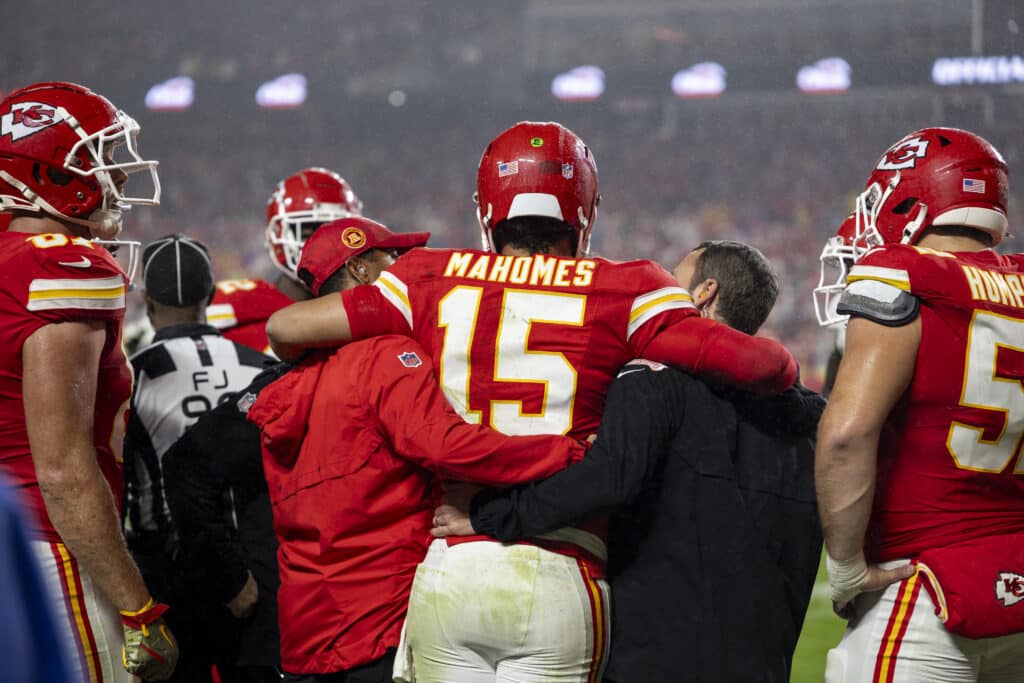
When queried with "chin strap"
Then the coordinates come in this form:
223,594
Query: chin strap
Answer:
912,228
108,218
485,227
583,246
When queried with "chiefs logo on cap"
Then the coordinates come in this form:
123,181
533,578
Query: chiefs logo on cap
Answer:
353,238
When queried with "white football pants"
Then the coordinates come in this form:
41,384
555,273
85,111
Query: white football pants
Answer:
484,612
895,636
92,624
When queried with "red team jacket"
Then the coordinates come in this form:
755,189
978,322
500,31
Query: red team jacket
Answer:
351,443
949,459
240,309
544,336
54,278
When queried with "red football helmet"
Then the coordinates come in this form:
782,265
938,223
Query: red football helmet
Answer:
934,177
57,156
301,203
537,169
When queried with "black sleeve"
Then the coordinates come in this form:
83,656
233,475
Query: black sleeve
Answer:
199,497
643,412
792,414
138,457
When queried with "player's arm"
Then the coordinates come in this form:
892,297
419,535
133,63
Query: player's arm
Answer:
358,313
424,428
316,323
643,412
875,371
719,353
61,368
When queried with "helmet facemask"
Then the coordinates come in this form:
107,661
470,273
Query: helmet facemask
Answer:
854,238
836,259
289,231
111,149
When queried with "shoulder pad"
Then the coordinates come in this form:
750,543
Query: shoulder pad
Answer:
70,278
72,256
879,301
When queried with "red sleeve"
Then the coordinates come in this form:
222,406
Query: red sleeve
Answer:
370,314
72,281
425,429
716,351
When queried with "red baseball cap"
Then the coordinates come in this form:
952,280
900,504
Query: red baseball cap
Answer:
333,244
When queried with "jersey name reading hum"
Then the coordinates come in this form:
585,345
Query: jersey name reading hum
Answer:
521,270
998,288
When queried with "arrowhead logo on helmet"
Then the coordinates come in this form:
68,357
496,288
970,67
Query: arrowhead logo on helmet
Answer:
28,118
903,154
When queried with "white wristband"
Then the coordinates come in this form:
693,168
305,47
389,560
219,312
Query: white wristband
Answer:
846,577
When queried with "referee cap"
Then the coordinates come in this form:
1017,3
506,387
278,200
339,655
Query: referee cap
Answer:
334,243
176,271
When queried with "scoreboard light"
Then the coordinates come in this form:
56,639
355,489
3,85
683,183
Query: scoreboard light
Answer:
706,79
582,84
284,92
174,94
829,75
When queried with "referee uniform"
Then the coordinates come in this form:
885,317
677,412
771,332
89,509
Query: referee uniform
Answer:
186,371
182,375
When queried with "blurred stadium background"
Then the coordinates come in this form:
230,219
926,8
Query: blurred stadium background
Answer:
750,119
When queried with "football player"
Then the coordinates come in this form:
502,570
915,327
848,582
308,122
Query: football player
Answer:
918,462
300,204
527,336
65,156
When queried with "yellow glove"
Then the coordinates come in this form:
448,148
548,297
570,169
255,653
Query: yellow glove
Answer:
149,649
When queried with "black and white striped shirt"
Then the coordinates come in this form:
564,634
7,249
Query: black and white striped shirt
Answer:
184,373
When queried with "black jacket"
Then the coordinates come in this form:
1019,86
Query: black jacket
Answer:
219,501
713,557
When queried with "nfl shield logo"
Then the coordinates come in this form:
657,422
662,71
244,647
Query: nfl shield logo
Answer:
567,171
246,402
410,359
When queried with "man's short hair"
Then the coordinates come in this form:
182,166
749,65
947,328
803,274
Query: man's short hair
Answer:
338,281
747,283
536,234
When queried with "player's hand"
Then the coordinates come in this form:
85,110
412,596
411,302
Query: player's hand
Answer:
149,649
849,578
244,604
459,494
451,521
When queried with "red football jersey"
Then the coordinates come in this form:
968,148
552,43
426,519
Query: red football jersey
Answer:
529,344
240,309
949,466
526,345
54,278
